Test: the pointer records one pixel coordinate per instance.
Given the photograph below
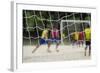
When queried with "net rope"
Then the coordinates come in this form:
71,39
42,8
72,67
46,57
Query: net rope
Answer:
50,20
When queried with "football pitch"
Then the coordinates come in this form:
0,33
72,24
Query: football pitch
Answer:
66,53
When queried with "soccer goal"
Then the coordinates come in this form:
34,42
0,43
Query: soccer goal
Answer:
68,27
66,23
34,23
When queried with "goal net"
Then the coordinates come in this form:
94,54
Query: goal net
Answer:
34,22
69,27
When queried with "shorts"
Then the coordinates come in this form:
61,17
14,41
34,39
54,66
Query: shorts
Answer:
43,41
56,40
88,42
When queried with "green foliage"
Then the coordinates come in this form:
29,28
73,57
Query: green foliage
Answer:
87,18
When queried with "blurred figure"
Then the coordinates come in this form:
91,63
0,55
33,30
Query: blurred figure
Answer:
75,37
87,32
81,38
55,37
43,40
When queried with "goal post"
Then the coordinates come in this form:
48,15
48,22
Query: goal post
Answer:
71,25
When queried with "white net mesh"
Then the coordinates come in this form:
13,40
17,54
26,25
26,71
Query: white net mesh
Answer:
34,23
71,26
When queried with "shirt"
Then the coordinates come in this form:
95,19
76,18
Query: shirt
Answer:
45,34
87,34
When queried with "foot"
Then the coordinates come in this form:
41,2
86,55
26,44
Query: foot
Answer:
33,51
49,51
57,50
89,54
85,54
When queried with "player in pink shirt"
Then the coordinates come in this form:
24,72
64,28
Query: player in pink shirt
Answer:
55,37
81,38
55,33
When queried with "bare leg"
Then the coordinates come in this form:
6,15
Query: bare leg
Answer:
49,44
36,48
82,43
89,50
58,43
79,42
85,50
73,42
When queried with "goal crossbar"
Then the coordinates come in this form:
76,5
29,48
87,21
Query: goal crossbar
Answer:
76,21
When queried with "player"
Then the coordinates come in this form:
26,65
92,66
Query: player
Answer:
81,38
55,37
43,39
63,35
88,39
75,37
